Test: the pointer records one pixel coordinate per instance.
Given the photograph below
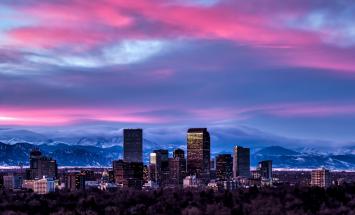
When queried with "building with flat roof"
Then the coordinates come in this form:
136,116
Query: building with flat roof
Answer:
133,145
320,178
241,162
198,153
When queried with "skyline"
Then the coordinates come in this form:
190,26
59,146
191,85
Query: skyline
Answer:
282,68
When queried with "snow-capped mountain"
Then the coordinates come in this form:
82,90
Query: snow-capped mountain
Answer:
83,149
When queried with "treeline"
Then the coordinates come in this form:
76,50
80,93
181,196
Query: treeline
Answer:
281,200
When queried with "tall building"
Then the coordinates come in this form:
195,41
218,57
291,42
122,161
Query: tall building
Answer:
265,169
159,166
179,153
198,153
241,162
320,178
41,166
133,145
177,167
224,166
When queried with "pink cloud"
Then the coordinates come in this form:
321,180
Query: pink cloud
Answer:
79,24
65,116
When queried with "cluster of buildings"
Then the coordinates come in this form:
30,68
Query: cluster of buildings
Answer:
195,169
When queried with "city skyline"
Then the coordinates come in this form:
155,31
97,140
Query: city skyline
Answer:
281,69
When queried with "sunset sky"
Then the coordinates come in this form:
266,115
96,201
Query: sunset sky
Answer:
283,67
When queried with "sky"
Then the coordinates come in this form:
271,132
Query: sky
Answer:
286,68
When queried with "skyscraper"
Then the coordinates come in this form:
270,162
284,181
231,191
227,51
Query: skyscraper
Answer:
41,166
198,152
179,153
159,166
177,167
265,169
320,178
224,166
133,145
241,162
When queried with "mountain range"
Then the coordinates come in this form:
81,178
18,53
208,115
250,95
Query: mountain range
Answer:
100,150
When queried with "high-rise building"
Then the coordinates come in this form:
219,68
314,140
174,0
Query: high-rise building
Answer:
41,166
241,162
179,153
224,166
133,145
177,167
198,153
159,166
320,178
265,169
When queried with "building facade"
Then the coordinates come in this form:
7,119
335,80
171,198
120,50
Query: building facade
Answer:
241,162
224,166
159,166
198,153
133,145
128,174
177,167
12,182
265,169
44,186
321,178
41,166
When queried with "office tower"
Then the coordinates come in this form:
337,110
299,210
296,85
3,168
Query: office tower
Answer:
224,166
241,162
320,178
198,153
133,145
179,153
128,174
265,169
177,167
159,166
41,166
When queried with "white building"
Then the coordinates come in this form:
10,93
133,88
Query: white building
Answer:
28,184
190,181
44,186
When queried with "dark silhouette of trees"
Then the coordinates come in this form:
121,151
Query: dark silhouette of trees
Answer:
280,200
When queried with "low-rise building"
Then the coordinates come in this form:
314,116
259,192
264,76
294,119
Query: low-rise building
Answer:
12,182
44,186
320,178
191,182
